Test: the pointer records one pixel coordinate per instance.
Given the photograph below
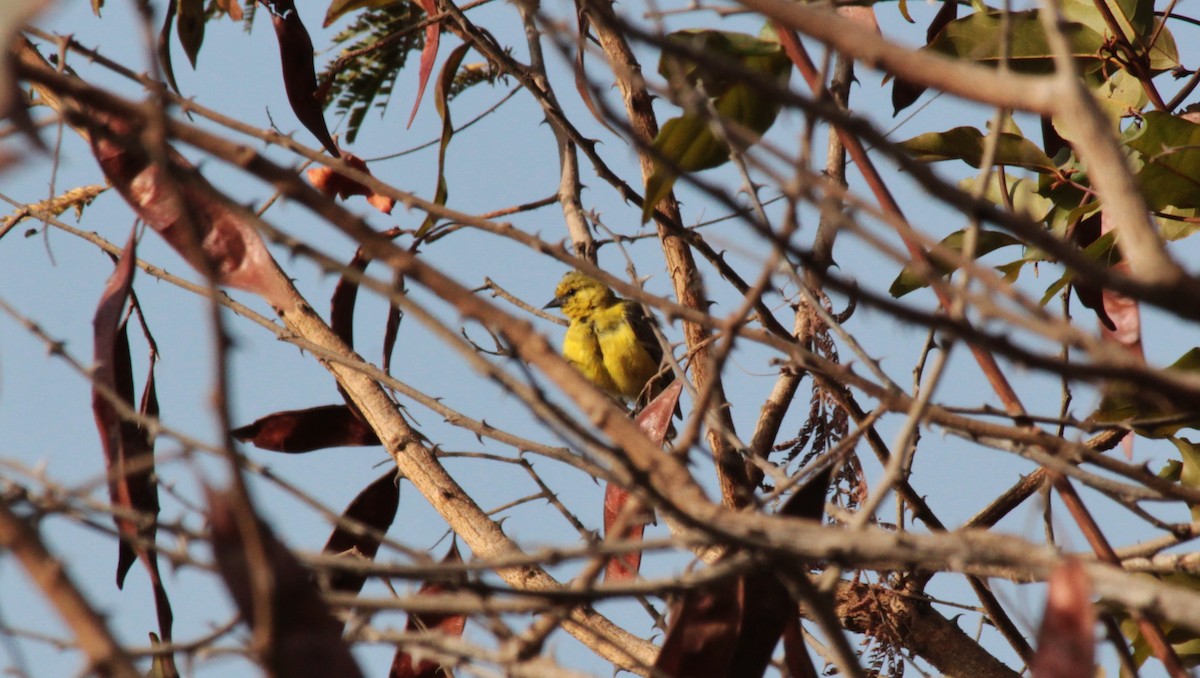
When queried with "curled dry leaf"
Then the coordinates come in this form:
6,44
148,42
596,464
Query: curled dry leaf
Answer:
374,507
315,428
299,73
623,513
1066,642
329,182
186,210
128,446
404,664
305,641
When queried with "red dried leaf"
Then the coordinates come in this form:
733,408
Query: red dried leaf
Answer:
655,417
1122,311
128,446
164,45
122,441
345,295
702,638
1066,642
1119,316
733,628
177,200
404,664
374,507
299,74
329,182
433,33
391,330
654,420
315,428
795,653
768,607
809,500
305,640
627,565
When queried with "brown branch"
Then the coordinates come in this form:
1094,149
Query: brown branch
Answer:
47,573
736,489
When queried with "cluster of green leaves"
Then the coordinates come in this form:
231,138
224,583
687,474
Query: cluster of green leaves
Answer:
1160,145
376,47
692,142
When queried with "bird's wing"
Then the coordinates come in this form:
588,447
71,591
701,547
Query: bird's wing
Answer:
643,329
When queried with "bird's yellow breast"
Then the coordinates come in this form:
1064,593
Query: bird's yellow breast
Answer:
582,349
627,362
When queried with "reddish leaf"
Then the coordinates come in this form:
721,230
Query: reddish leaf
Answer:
433,33
1119,315
183,207
164,45
1066,642
315,428
732,628
403,664
128,446
299,74
345,295
625,566
809,500
114,374
655,417
795,653
442,101
374,507
768,607
329,182
654,420
305,640
1122,311
392,329
703,635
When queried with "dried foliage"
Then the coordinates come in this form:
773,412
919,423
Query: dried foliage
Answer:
857,526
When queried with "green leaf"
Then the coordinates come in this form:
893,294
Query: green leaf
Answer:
340,8
1150,414
1169,148
977,38
689,143
1177,229
1184,641
365,82
912,277
190,25
1103,250
1189,474
967,144
1137,23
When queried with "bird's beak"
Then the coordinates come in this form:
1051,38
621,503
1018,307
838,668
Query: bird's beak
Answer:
556,302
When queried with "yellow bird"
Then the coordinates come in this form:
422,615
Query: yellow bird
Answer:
609,339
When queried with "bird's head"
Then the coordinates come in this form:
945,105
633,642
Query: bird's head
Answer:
578,295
